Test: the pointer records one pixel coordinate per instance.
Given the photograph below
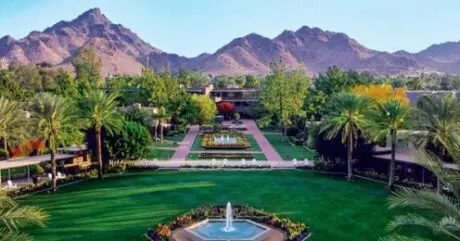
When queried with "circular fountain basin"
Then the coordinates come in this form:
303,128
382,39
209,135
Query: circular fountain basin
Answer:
214,229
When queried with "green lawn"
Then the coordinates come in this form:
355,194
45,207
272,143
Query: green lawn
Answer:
160,154
176,138
196,146
123,207
286,150
196,156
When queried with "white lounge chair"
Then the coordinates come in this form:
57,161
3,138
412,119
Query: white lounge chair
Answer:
60,175
254,162
294,162
50,176
10,185
243,162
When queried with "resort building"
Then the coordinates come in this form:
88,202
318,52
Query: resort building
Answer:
239,97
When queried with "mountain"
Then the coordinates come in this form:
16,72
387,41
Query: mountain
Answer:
310,49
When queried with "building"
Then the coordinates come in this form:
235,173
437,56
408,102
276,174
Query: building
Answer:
241,98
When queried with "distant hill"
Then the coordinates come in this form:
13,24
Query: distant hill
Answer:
310,49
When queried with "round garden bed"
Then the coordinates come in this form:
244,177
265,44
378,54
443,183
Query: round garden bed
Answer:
283,228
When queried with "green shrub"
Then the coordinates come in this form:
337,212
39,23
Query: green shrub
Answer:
132,143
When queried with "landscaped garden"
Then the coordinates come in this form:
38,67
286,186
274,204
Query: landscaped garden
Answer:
287,150
124,207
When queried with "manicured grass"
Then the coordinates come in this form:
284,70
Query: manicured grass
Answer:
196,146
196,156
123,207
160,154
164,144
286,150
176,138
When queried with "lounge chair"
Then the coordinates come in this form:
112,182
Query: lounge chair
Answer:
10,185
60,175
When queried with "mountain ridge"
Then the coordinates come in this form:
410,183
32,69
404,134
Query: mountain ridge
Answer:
311,49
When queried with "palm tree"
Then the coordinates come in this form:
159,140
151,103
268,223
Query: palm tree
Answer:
437,213
13,123
13,217
346,118
52,115
437,119
99,109
162,117
386,120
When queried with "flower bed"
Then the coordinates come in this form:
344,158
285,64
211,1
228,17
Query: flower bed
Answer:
236,167
206,155
294,230
209,140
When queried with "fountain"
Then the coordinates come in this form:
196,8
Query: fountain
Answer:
228,229
229,219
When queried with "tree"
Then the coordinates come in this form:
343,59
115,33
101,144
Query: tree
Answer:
381,93
438,118
226,108
282,94
251,81
346,118
13,124
386,119
131,143
162,118
52,116
99,110
438,214
206,109
87,68
15,217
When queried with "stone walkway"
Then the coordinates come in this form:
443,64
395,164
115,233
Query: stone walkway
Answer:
264,144
186,145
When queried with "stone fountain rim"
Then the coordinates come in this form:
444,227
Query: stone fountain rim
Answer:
207,220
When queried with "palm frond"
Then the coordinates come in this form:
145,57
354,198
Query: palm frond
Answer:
426,200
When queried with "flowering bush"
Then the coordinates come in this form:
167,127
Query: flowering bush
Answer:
225,108
30,147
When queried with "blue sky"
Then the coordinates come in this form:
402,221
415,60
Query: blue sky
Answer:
191,27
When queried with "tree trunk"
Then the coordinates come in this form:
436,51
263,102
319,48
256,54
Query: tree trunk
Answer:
5,147
391,174
99,152
161,131
53,165
349,158
155,136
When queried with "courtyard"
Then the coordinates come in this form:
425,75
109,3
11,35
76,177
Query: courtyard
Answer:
123,207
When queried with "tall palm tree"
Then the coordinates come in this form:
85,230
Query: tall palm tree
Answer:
437,213
99,110
162,117
386,119
346,118
13,217
13,123
52,116
437,118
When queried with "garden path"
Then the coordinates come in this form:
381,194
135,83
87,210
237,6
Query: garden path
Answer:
264,144
186,145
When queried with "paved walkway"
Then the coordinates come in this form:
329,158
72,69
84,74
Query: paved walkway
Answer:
186,145
227,152
264,144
